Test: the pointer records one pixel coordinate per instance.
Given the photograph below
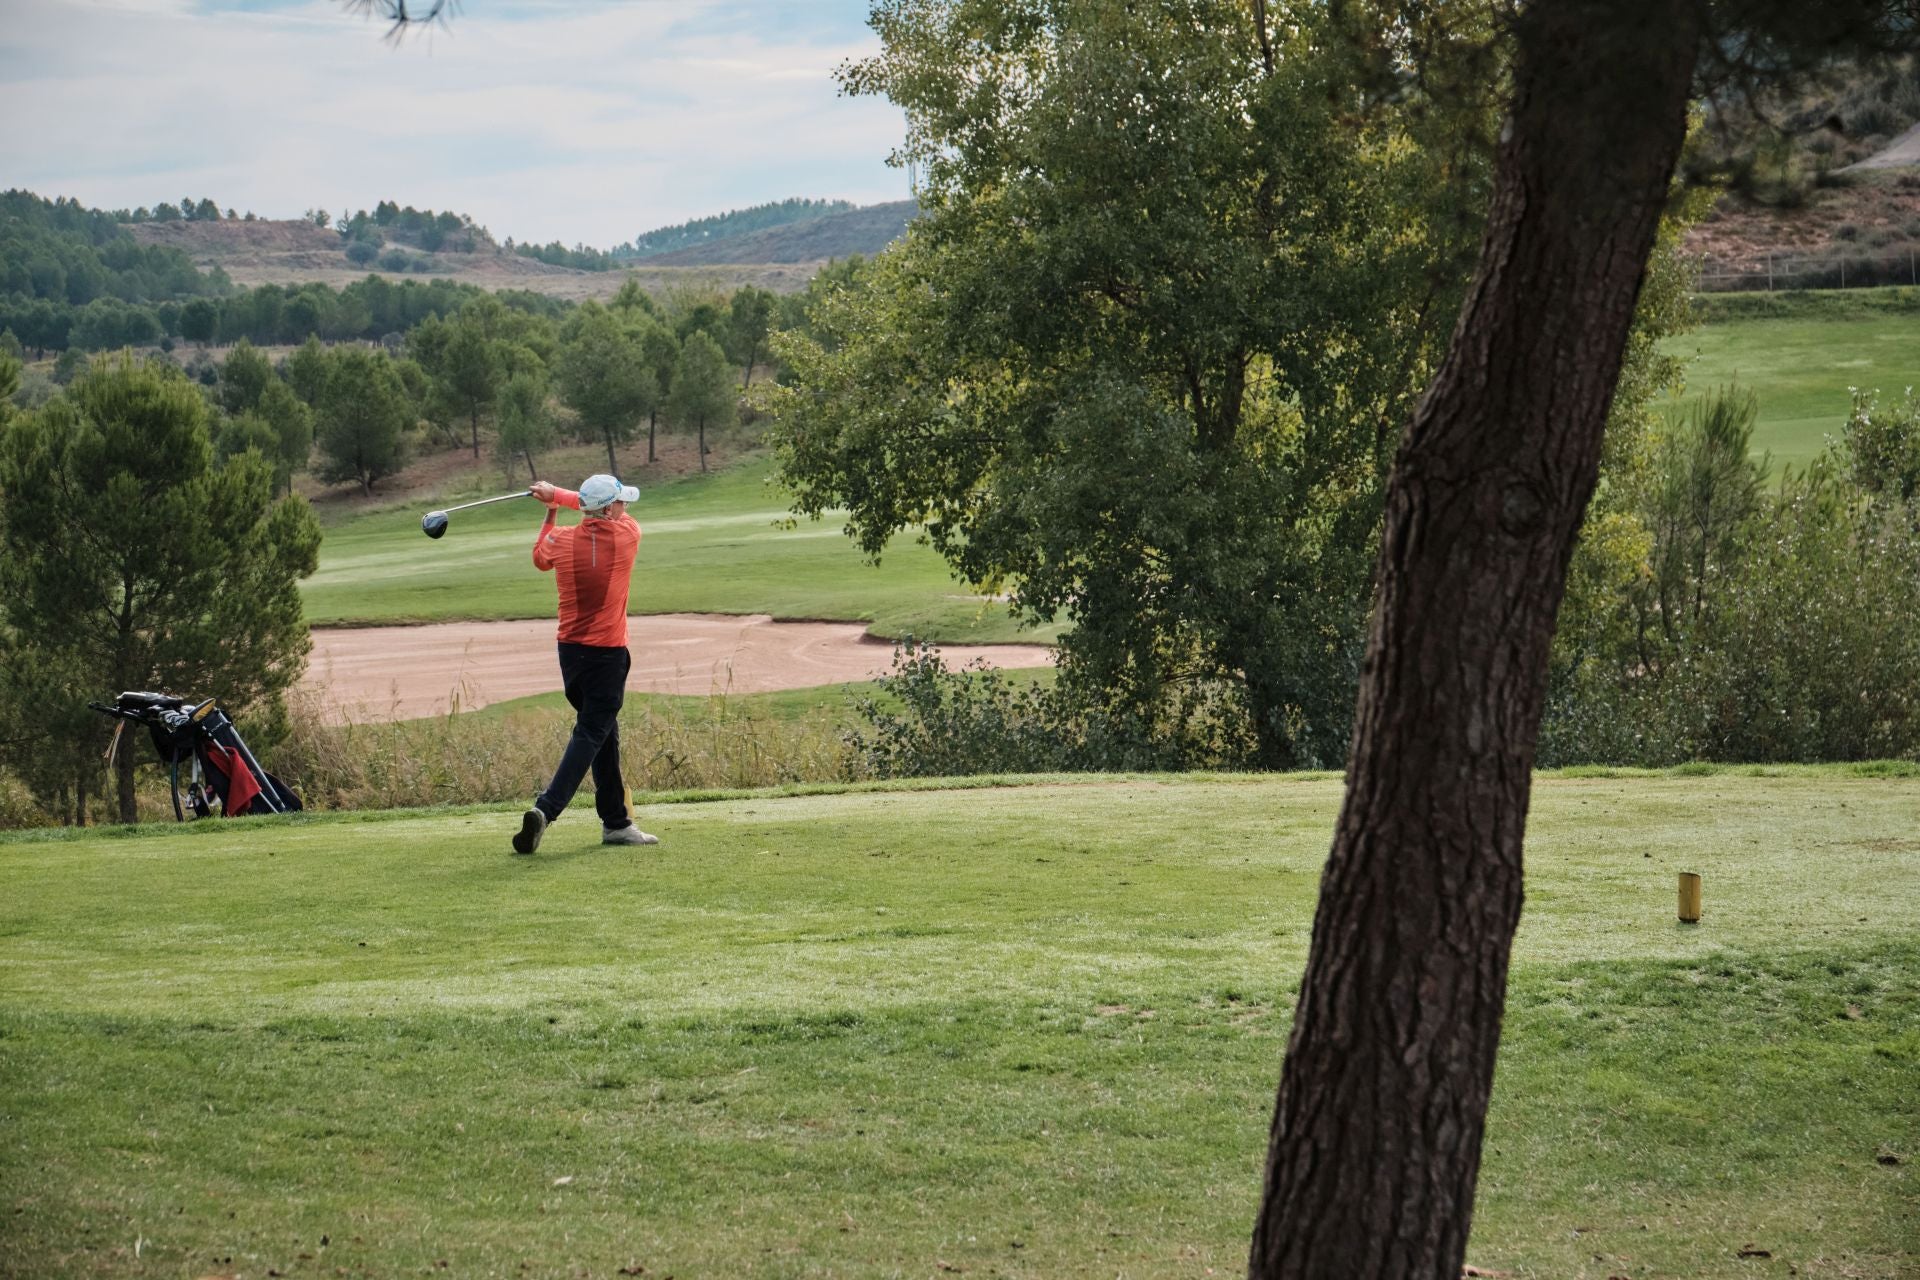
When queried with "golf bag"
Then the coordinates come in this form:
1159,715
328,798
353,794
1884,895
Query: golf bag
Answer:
200,737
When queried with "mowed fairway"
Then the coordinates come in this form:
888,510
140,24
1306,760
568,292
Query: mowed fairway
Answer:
1022,1031
712,544
1802,370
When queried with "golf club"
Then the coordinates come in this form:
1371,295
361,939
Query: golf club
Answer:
434,523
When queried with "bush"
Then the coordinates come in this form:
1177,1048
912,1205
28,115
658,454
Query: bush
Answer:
395,260
361,252
978,720
1796,645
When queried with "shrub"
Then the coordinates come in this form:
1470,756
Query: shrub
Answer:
978,720
361,252
395,260
1847,231
1796,645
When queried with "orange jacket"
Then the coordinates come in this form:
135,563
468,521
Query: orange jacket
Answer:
593,566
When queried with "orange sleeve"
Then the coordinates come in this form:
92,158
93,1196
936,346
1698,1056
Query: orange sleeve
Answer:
547,545
567,497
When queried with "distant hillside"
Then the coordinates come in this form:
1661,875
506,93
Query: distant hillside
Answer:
293,251
274,251
726,226
1821,187
840,235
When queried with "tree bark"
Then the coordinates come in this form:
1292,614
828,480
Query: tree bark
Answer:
652,418
613,468
475,417
1377,1128
703,444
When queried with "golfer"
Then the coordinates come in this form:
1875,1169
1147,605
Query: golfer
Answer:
592,563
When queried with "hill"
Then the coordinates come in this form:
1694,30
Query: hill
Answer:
863,231
1820,186
295,251
1861,227
728,225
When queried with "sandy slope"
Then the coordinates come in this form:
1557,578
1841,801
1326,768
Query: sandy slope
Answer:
397,673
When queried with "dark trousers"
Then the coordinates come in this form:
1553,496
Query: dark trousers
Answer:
595,678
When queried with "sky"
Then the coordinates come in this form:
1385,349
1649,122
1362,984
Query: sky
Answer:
583,121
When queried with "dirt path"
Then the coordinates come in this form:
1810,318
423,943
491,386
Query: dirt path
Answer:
1902,153
401,673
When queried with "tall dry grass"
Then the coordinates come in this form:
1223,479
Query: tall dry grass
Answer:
474,758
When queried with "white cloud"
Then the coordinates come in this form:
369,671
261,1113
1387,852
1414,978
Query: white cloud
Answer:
576,123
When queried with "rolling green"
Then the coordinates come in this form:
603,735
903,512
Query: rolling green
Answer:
1802,363
713,544
1021,1031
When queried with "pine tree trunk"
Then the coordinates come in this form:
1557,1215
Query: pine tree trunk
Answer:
1375,1144
651,418
612,468
703,444
476,434
533,473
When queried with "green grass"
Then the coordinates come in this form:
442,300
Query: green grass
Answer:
1026,1031
712,544
1801,363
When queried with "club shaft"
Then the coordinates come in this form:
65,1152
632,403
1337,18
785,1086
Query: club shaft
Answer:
505,497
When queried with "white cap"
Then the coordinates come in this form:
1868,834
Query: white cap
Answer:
597,492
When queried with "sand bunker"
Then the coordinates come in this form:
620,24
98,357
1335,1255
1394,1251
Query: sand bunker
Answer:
402,673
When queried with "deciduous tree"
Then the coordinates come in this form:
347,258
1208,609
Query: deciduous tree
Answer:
1144,357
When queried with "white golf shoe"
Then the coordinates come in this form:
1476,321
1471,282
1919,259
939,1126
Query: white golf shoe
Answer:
628,834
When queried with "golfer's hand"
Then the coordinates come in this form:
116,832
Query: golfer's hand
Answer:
542,491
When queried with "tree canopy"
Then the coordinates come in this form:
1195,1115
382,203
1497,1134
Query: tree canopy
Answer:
1145,356
604,377
130,559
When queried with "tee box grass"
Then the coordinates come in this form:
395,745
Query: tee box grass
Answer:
1017,1031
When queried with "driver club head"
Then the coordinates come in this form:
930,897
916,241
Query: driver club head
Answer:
434,523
